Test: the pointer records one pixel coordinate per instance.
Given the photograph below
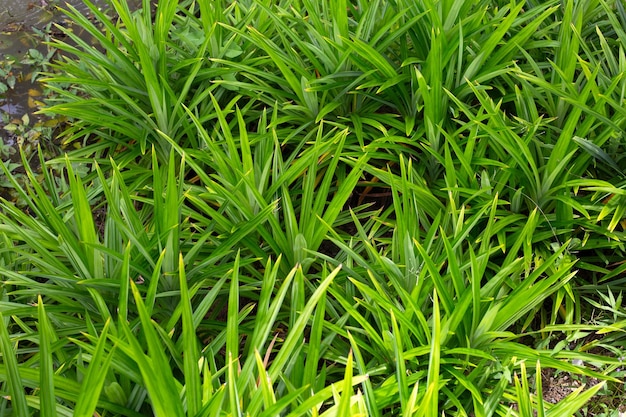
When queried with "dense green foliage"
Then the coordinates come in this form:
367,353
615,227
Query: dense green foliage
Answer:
302,208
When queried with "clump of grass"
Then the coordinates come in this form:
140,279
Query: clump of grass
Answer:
371,208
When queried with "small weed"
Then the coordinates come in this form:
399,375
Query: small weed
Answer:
8,76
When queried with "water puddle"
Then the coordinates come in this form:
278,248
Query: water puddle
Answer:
20,20
24,27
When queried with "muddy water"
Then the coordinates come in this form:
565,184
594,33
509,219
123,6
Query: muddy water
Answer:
19,17
19,22
34,12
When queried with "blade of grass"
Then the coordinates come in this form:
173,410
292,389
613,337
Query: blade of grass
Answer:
295,333
269,396
46,370
190,349
398,350
154,367
92,384
232,329
16,390
344,406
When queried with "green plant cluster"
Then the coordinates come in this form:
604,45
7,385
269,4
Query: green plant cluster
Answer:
324,208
